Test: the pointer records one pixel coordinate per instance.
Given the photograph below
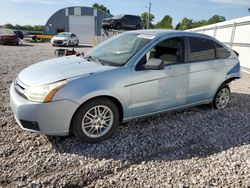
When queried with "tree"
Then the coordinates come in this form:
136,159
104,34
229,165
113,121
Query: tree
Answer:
216,19
9,26
248,9
185,24
166,22
24,27
144,17
178,26
101,7
199,23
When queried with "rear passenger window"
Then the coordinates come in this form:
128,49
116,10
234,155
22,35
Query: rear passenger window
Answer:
201,49
221,52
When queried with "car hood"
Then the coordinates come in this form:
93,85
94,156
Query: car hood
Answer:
57,69
60,38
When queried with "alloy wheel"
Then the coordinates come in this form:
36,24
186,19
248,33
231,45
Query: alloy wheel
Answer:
97,121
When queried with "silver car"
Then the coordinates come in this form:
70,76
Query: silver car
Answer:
132,75
65,39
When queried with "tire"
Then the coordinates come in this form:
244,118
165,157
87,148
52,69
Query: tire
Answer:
91,114
222,97
137,27
118,26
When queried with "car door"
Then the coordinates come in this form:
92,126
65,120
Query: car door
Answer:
201,55
160,90
128,22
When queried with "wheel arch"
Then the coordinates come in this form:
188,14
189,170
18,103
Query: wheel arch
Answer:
226,81
113,99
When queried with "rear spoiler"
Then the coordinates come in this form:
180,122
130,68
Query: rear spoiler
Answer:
236,53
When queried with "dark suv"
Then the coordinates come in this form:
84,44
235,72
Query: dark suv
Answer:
127,22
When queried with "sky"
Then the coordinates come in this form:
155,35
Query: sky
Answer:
37,12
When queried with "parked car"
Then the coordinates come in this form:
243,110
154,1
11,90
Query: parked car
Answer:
132,75
127,22
8,37
65,39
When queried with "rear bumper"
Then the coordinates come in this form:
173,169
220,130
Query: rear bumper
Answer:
49,118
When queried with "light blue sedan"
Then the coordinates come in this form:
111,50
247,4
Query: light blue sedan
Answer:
132,75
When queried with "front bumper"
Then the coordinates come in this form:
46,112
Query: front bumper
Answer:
59,43
49,118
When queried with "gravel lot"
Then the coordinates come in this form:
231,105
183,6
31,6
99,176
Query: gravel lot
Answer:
197,147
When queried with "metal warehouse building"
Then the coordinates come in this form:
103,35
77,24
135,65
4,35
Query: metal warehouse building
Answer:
85,22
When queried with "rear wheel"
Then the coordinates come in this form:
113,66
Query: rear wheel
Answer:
137,27
221,97
96,120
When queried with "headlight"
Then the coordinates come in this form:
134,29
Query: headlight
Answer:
43,93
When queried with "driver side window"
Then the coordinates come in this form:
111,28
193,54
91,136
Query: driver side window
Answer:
170,51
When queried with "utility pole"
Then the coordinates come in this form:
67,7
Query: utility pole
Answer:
149,10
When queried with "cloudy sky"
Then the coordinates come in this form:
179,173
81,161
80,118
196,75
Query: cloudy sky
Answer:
38,11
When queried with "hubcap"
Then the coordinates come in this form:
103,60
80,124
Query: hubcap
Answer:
222,98
97,121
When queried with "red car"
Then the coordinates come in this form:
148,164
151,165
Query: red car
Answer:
8,37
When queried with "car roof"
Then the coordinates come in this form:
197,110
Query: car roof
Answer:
164,32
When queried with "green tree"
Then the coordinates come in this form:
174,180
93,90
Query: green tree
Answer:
101,7
25,27
144,17
38,27
9,26
178,26
185,24
248,9
166,22
199,23
216,19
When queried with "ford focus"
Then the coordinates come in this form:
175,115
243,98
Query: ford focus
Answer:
132,75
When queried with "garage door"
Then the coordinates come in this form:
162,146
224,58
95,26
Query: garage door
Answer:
83,27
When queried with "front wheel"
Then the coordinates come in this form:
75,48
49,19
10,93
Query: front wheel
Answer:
118,26
96,120
221,97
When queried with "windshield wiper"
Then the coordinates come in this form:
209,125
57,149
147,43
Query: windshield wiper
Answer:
94,59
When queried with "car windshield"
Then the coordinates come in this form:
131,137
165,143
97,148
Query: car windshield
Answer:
63,35
119,49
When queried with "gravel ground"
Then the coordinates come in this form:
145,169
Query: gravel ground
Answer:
197,147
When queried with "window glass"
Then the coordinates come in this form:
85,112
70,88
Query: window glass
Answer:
201,49
119,49
171,51
221,52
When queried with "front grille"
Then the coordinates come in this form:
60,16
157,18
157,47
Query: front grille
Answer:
58,41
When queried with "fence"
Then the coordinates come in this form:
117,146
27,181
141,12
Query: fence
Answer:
235,34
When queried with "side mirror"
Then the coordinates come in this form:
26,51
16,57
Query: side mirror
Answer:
154,64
